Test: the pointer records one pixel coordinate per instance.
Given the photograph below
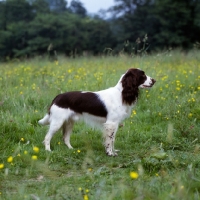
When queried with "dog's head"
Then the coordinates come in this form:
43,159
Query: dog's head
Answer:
131,81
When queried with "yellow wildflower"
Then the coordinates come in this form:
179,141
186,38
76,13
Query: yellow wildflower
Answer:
78,151
134,175
85,197
1,165
134,112
25,152
36,149
10,159
34,157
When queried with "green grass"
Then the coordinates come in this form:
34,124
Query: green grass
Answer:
160,141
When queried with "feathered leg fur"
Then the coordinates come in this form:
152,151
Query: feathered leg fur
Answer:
109,131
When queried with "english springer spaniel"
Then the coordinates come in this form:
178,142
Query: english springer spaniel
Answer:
104,109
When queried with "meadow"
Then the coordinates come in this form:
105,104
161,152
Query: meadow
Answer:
159,145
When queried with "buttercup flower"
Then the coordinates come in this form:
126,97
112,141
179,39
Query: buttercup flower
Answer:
85,197
10,159
25,152
134,175
36,149
34,157
1,165
90,169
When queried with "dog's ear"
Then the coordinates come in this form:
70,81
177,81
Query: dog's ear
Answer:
130,89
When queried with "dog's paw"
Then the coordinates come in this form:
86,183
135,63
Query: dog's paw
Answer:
48,149
111,153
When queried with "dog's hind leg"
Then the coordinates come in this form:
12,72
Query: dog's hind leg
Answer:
67,129
44,120
54,127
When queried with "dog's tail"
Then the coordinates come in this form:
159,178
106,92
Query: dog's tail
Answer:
44,120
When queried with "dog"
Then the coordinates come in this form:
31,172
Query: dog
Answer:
104,109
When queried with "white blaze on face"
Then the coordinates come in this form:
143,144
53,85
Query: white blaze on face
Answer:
147,83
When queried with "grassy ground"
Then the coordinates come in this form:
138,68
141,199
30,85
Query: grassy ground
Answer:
159,146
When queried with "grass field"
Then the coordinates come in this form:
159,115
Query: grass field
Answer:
159,145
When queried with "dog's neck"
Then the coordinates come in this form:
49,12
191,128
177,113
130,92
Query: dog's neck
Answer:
118,86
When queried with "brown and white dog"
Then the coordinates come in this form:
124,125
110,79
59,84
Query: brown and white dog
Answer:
105,109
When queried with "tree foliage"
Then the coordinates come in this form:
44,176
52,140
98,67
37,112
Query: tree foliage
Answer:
28,27
174,23
77,8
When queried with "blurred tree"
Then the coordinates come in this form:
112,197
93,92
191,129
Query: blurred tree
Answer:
57,5
172,23
100,36
65,33
77,8
28,27
131,20
15,11
3,13
46,5
14,17
40,6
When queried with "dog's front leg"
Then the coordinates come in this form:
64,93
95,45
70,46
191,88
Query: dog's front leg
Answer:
110,130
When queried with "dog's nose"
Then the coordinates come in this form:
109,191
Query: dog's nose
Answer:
153,81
